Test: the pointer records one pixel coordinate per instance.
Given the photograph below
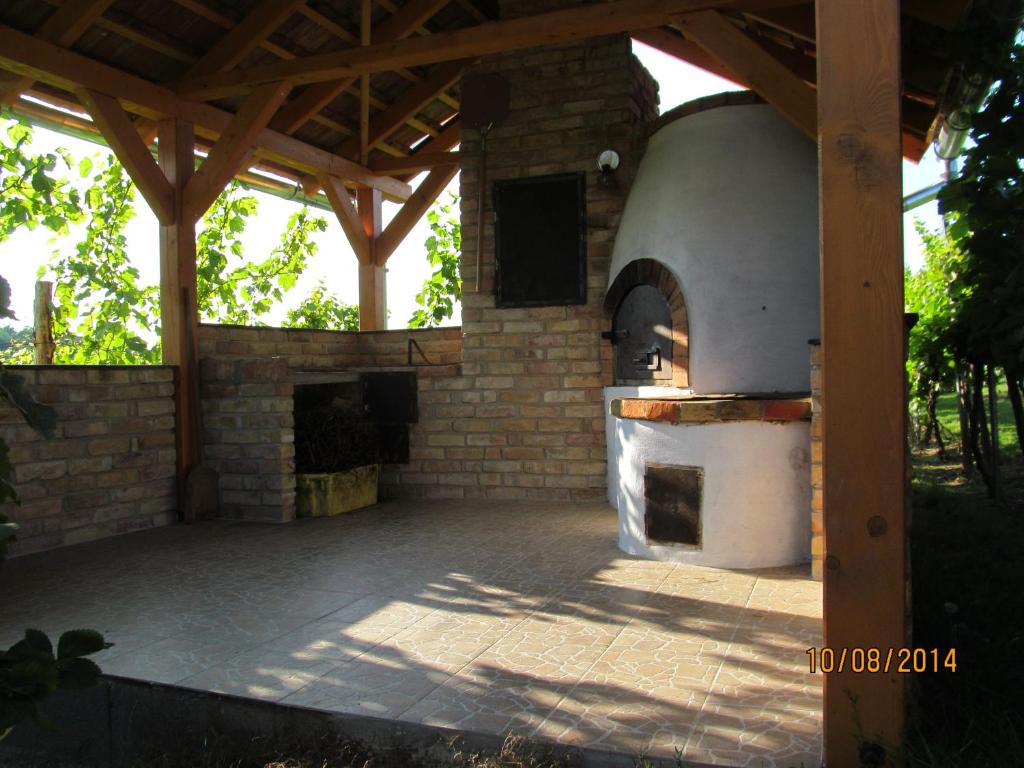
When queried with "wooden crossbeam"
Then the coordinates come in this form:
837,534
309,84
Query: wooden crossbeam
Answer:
44,62
493,37
673,44
408,104
234,147
753,64
797,21
319,95
63,27
123,137
412,211
344,209
243,38
444,141
421,161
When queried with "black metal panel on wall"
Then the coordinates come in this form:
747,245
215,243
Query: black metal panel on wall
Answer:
391,397
540,231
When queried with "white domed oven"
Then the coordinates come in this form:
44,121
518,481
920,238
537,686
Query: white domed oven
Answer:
713,295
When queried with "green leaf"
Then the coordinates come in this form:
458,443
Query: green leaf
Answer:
5,300
77,673
80,642
35,643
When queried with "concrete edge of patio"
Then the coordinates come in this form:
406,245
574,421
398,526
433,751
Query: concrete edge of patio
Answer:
122,720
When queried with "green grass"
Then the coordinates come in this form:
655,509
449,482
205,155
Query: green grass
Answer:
949,419
968,593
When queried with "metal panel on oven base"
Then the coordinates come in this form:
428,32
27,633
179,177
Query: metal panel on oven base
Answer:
672,504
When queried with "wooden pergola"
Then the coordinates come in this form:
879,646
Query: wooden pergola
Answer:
354,97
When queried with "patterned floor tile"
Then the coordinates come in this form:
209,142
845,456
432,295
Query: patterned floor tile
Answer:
505,618
260,674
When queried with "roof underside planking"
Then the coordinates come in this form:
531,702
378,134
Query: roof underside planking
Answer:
219,51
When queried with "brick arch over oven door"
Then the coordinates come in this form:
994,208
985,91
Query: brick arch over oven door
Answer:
654,273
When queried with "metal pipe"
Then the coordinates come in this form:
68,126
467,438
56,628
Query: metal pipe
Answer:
922,196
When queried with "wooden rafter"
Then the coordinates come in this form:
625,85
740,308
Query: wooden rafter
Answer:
234,147
123,137
797,21
408,104
767,76
31,57
917,116
493,37
247,35
444,141
366,24
424,196
63,27
348,217
319,95
421,161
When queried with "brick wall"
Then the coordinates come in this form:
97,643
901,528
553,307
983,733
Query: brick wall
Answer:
526,420
247,403
817,498
523,415
310,350
110,467
247,436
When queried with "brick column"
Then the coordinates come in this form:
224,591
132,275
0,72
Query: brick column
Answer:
248,436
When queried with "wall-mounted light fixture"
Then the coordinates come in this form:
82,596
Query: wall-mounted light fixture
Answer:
607,162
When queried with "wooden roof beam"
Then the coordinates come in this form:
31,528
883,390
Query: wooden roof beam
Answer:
347,215
229,51
767,76
493,37
424,196
421,161
130,148
63,27
412,101
444,141
29,56
233,148
319,95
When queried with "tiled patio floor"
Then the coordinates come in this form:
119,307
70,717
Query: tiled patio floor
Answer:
476,615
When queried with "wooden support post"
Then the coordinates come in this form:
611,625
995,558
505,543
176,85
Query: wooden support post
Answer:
43,316
863,375
373,306
179,314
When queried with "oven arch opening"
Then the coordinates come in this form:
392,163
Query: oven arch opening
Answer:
657,352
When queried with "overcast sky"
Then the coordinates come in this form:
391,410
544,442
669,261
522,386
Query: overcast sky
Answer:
23,255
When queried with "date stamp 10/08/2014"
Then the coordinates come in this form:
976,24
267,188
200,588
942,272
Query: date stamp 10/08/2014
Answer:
881,660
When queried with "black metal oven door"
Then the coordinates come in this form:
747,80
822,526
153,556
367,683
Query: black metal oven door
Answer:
642,333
